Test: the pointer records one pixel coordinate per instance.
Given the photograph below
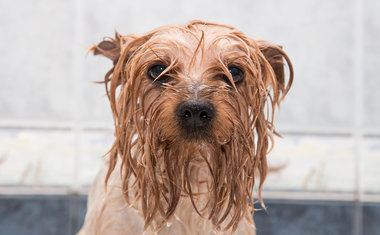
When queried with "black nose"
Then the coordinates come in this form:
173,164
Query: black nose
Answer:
195,114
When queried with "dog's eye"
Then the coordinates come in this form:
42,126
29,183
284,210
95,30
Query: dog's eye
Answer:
237,74
155,71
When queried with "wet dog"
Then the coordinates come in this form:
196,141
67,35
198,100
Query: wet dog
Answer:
193,109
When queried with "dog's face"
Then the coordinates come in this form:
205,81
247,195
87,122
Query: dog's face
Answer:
193,108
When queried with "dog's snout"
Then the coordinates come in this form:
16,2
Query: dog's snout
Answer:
195,114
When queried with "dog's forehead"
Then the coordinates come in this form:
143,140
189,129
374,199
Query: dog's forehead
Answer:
211,37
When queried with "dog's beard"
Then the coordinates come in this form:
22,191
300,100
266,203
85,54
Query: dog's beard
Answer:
215,173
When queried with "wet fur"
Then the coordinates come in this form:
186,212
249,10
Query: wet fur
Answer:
161,179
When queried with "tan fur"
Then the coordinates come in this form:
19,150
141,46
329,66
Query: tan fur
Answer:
160,180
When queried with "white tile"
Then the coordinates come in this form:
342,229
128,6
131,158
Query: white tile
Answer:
370,166
310,163
93,147
37,72
36,157
371,63
94,104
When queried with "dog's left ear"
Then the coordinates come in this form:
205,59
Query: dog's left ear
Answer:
109,47
275,55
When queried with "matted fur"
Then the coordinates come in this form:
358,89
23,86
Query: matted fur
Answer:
160,165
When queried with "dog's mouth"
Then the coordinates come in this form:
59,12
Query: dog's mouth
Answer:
197,135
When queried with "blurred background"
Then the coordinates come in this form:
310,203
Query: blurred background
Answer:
55,123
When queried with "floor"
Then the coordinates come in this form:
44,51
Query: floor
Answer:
64,215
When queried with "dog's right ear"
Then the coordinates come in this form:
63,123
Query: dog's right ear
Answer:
109,47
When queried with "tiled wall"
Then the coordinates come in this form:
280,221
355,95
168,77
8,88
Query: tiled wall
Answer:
55,124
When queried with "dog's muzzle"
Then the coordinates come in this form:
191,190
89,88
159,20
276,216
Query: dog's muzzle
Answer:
195,115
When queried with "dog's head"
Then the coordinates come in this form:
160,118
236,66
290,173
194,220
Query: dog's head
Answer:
193,107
